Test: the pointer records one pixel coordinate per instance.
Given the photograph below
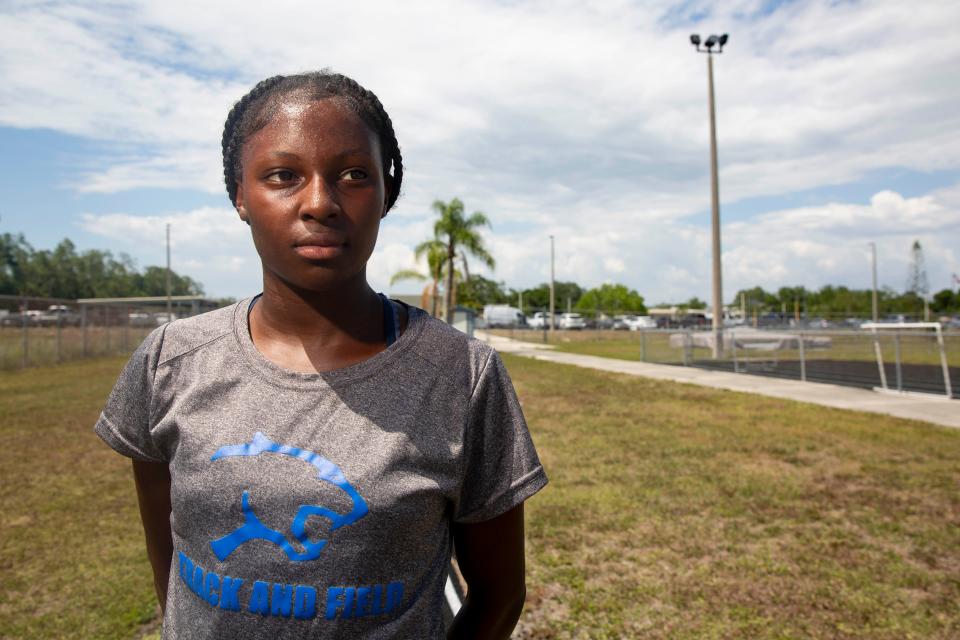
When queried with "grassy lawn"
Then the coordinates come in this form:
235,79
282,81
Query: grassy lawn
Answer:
684,512
71,548
673,512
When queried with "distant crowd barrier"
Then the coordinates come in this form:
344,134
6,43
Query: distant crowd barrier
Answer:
39,331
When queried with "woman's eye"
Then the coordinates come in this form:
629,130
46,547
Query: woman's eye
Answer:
282,175
354,174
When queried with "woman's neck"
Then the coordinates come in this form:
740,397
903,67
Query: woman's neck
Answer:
317,331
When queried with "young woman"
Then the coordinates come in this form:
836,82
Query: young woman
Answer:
305,460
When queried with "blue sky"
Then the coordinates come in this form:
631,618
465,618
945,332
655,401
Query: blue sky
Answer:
837,125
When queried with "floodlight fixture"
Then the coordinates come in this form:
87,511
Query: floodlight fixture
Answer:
712,41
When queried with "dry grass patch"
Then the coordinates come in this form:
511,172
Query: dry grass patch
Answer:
71,547
684,512
673,512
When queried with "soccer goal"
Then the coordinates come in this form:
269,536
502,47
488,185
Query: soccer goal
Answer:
903,329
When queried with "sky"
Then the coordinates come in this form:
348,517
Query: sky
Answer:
837,126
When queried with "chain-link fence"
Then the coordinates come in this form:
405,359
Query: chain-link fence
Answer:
36,331
914,360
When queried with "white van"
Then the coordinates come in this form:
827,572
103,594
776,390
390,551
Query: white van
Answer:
502,315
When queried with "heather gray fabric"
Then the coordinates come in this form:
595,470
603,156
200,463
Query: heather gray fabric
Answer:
319,505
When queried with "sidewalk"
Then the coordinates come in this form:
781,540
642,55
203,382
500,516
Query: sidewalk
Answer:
913,407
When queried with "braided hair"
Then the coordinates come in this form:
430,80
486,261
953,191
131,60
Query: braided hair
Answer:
255,110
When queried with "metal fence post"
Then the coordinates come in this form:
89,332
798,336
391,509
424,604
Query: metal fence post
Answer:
24,318
686,346
83,328
643,345
126,327
803,358
943,362
896,351
876,348
106,322
736,357
59,337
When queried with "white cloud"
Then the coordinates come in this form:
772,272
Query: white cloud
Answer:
582,120
210,244
828,244
666,261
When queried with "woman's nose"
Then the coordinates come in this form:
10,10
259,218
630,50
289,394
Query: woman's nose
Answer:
320,200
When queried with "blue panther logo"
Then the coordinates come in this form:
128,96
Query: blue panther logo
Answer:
253,529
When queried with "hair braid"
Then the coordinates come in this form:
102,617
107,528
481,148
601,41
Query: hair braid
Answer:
234,136
254,110
371,107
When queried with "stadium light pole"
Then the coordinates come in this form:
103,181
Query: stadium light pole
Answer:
711,42
169,305
552,326
874,305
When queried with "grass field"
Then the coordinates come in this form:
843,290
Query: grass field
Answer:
71,549
684,512
673,512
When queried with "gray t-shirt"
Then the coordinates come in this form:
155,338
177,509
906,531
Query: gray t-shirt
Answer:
319,505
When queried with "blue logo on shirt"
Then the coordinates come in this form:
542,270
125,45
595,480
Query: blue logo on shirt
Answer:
253,529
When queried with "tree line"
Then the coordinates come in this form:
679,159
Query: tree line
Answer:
63,272
839,301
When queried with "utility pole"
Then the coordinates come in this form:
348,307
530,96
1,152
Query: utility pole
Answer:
169,301
719,42
875,305
552,300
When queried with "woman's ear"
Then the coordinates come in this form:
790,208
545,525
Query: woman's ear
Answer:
238,204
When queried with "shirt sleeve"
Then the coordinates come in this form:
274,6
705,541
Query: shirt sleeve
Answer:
502,468
125,423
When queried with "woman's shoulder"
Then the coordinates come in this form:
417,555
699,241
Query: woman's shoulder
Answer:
186,335
446,348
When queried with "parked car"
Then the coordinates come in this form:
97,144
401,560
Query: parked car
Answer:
600,322
57,314
539,320
572,321
819,323
163,318
139,319
622,323
642,322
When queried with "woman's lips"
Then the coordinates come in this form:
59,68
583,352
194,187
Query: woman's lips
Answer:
320,248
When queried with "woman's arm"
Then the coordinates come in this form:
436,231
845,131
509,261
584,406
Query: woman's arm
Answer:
491,558
153,493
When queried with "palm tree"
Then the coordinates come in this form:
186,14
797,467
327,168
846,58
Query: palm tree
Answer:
457,232
435,253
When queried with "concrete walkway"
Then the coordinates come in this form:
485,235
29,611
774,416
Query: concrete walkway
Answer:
939,411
